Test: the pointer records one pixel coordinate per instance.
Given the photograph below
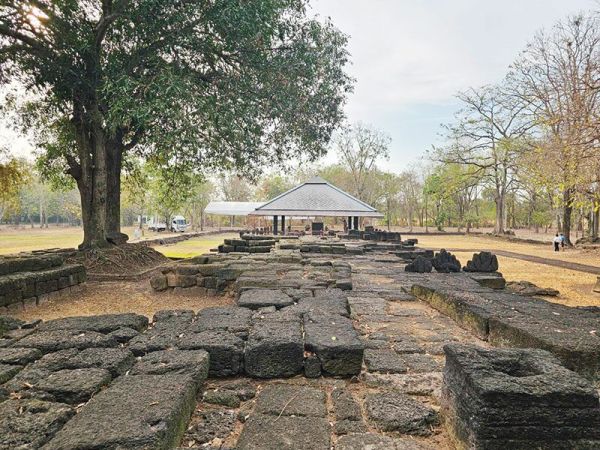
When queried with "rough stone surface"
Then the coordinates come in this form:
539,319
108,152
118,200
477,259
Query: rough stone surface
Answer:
392,411
384,361
260,298
142,411
419,265
267,432
482,262
116,360
209,425
274,349
226,351
445,262
222,397
8,371
517,398
373,441
101,324
337,346
73,386
189,362
30,423
291,400
19,356
52,341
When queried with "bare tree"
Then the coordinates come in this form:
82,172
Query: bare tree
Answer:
359,148
558,77
488,136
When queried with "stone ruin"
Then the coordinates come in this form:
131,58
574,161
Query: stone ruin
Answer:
320,351
29,280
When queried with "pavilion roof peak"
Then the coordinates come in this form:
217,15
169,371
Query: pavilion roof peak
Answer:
316,197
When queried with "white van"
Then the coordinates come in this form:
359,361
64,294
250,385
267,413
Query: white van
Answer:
178,223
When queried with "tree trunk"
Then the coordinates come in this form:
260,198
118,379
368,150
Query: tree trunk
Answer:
595,220
567,212
113,195
499,225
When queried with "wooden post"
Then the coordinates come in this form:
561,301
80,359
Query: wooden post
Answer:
283,225
275,220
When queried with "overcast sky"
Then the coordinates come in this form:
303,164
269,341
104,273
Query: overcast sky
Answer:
410,57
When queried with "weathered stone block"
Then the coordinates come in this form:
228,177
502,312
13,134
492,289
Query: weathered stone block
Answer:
116,360
266,432
102,324
274,349
191,362
226,350
141,411
445,262
292,400
517,398
419,265
73,386
19,356
338,347
8,371
384,361
30,423
159,282
482,262
260,298
52,341
392,411
235,320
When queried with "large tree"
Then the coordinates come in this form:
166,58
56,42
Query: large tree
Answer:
487,138
558,77
194,84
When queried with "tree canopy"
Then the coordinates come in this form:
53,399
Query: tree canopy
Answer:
194,85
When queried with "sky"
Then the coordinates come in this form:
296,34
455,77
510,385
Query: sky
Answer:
410,58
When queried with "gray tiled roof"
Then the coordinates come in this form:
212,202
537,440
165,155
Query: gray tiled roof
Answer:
316,197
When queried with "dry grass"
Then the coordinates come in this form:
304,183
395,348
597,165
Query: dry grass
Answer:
590,257
122,297
575,287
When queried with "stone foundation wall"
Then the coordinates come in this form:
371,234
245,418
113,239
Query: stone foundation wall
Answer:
27,281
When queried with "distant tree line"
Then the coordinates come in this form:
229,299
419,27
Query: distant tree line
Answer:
531,143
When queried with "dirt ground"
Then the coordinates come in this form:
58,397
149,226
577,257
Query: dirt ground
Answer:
120,297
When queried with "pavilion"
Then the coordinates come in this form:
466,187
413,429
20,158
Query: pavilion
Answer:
316,198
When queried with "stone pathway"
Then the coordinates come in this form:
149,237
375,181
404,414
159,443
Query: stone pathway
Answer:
118,382
392,404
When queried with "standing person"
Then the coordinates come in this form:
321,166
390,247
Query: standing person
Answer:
556,243
562,240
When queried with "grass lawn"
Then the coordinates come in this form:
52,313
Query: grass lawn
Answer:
27,239
195,246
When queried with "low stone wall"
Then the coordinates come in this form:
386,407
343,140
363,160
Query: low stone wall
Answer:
517,398
27,281
511,320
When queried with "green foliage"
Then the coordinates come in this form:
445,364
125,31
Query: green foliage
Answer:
13,176
271,186
202,85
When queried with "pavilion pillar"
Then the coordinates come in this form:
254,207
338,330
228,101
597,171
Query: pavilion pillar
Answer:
275,225
349,223
356,222
283,225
